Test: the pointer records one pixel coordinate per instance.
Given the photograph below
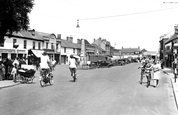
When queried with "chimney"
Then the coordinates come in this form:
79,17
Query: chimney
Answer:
71,39
67,38
58,36
78,41
32,32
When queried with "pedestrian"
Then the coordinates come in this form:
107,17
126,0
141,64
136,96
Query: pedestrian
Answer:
2,71
53,63
156,70
22,62
8,67
162,64
14,73
148,71
73,67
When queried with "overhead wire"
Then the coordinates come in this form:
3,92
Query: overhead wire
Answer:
121,15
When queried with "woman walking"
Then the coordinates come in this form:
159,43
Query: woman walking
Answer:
156,70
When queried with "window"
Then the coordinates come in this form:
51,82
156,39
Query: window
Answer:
39,45
46,45
56,46
14,41
52,46
73,50
64,50
34,45
25,44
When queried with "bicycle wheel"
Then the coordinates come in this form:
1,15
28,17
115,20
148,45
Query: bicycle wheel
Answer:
42,83
51,79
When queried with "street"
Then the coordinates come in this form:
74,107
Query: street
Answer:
101,91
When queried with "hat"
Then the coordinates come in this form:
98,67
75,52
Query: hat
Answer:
44,53
71,56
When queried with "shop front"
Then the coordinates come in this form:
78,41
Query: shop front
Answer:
57,58
50,53
34,56
168,58
12,54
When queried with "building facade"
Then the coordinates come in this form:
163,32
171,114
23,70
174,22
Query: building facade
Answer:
104,44
30,40
68,48
131,52
25,40
168,50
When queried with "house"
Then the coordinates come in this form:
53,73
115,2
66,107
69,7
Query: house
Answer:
151,54
90,49
19,43
51,44
104,44
130,52
68,48
169,49
117,53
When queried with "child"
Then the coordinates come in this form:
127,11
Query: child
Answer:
14,72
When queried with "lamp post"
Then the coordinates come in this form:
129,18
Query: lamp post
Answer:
16,45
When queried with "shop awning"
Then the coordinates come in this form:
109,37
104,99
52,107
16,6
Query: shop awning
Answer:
37,53
76,56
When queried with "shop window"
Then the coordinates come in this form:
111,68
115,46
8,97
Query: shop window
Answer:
56,46
64,50
39,45
46,45
52,46
73,50
14,41
25,44
34,45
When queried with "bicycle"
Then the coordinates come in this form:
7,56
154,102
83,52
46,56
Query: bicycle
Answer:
46,77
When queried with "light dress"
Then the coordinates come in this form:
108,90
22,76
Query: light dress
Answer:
157,73
44,62
72,63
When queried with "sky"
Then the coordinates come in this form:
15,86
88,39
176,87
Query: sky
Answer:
124,23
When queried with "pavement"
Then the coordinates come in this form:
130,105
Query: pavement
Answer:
174,84
10,83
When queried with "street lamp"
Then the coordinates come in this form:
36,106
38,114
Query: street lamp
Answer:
78,24
16,45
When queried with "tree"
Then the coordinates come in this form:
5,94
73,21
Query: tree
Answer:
14,16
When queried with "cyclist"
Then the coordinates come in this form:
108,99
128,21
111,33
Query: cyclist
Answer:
45,62
73,67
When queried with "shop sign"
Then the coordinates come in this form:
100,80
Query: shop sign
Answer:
11,51
7,51
21,51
